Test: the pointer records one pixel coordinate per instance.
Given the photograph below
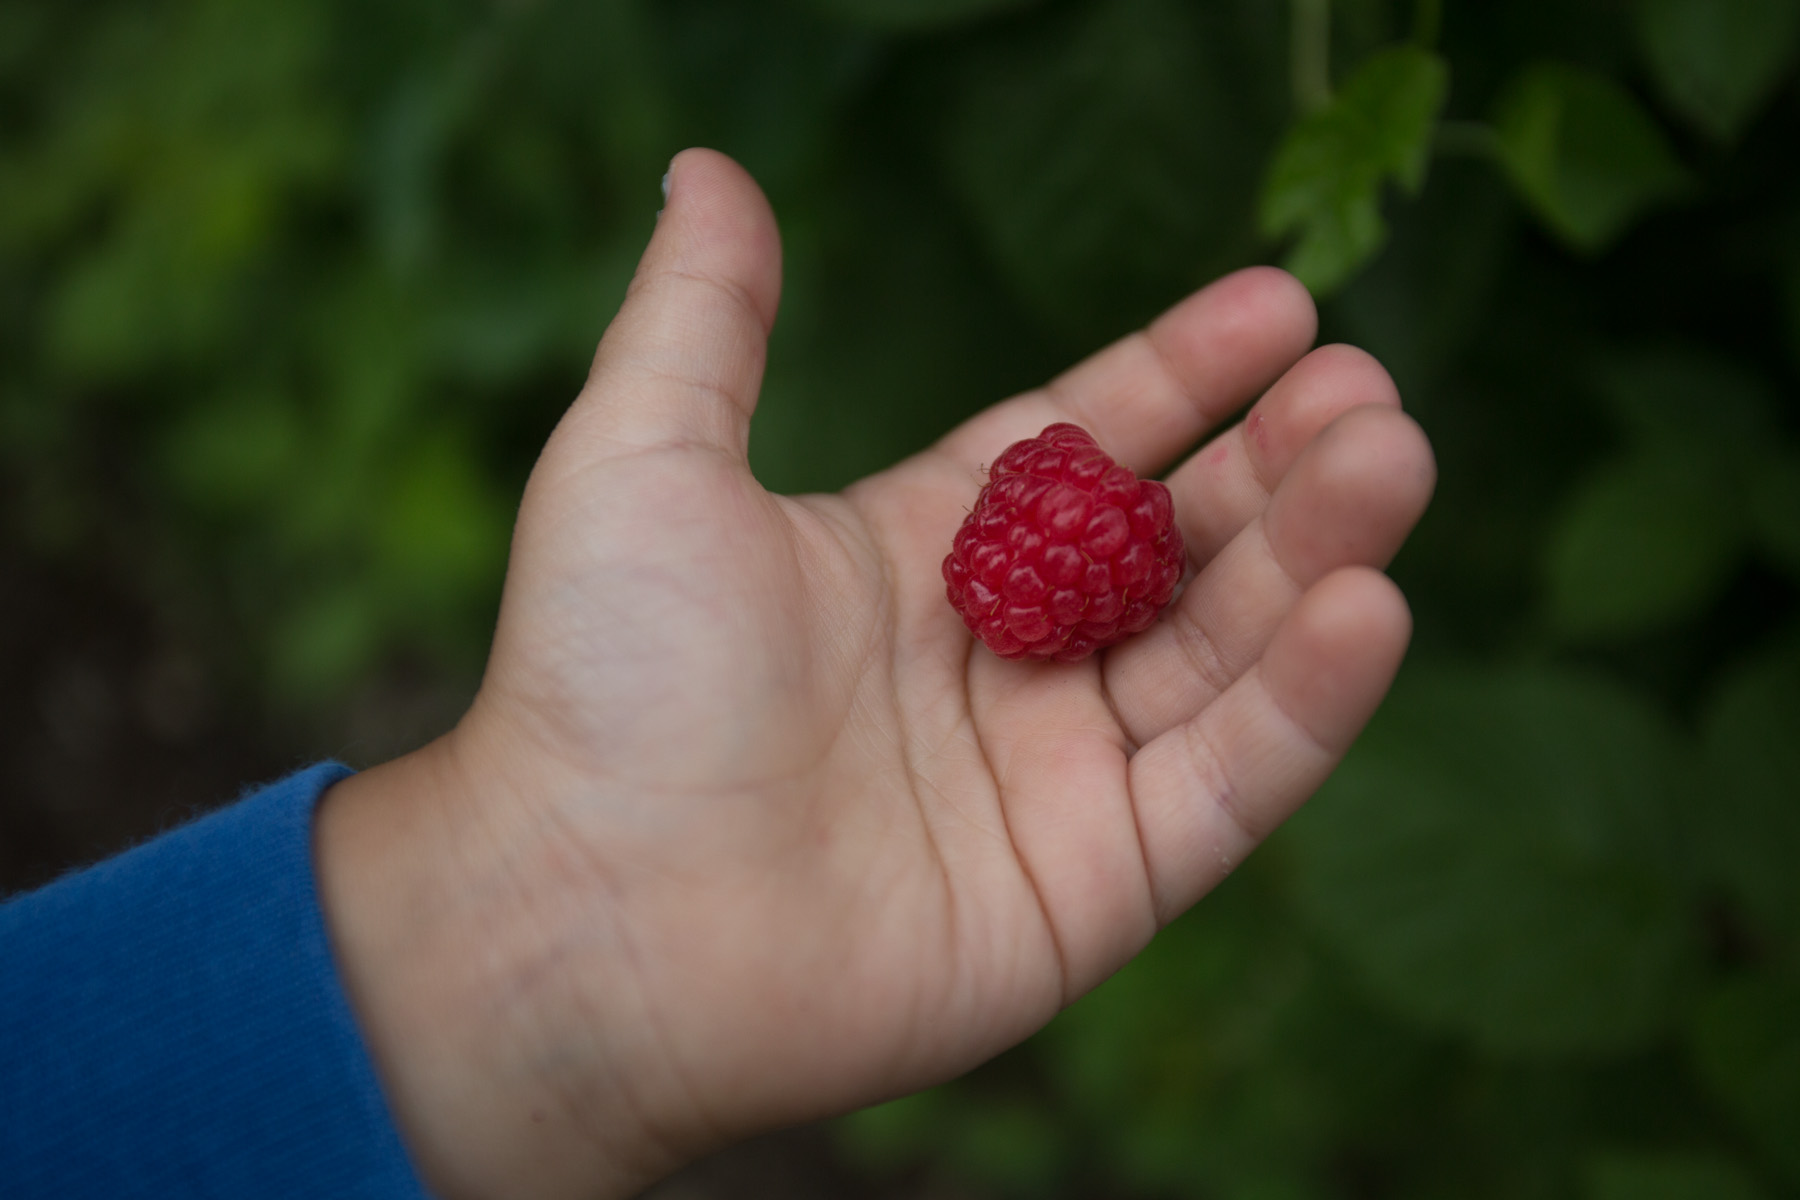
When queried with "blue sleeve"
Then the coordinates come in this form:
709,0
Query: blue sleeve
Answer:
172,1024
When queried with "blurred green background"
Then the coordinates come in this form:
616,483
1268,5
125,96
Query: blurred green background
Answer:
291,293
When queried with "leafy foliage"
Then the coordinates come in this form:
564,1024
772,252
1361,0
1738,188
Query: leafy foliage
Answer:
1657,532
1649,539
1583,153
1717,61
291,294
1498,857
1750,818
1326,178
1748,1050
1112,148
1666,1176
914,14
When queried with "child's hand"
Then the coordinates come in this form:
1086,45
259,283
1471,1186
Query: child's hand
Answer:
743,829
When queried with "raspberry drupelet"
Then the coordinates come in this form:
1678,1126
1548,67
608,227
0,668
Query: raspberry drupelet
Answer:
1065,551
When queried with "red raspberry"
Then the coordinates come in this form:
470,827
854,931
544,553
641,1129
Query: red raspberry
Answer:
1066,552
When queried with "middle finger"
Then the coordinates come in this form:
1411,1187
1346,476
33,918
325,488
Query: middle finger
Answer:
1350,499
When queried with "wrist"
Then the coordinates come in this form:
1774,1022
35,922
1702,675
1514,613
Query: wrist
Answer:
436,904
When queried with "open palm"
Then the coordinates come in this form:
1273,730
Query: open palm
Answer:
788,839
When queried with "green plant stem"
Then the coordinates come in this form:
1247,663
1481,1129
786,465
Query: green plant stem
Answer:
1310,61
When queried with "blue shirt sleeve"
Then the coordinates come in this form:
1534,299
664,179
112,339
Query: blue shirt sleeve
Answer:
172,1024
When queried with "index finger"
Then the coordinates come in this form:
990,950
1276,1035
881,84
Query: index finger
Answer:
1151,394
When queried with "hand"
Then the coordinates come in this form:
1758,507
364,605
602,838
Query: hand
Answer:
743,829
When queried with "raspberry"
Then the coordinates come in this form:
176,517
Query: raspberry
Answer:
1065,552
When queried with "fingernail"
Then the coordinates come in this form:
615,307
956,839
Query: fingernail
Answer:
665,188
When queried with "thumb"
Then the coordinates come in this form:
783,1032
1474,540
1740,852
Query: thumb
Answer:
682,362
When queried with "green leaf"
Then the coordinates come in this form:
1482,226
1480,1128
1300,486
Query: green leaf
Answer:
768,84
1749,818
324,641
915,15
1789,275
24,35
1667,1175
1227,1058
442,528
1497,857
1717,62
1421,304
1109,155
1010,1143
233,456
1583,154
196,142
886,1136
1325,181
1337,240
1746,1044
1646,542
1688,395
1775,509
411,134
